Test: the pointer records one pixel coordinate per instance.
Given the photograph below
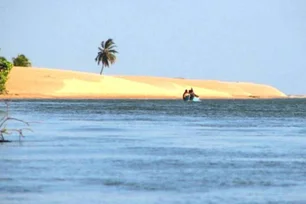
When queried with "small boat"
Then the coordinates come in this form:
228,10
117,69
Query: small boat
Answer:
196,99
188,98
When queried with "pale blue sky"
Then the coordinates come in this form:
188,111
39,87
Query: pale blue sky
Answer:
261,41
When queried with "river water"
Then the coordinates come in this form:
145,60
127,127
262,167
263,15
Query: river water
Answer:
156,151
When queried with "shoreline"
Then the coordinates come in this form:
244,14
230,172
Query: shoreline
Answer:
40,97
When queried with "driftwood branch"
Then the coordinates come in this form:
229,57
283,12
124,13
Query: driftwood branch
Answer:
5,119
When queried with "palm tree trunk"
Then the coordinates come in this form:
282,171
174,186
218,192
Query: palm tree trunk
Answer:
101,70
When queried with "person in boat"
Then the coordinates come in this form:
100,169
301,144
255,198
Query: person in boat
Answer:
192,94
186,95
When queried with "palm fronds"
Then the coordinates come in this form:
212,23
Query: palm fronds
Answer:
106,54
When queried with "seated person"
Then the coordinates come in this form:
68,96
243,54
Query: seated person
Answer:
186,95
192,94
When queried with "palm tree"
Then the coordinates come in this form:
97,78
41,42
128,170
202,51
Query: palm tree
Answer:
106,54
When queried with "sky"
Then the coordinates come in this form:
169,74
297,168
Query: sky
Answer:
260,41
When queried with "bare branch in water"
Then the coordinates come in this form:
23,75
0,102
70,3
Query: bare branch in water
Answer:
10,118
5,119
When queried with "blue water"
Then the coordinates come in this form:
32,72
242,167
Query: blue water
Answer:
150,151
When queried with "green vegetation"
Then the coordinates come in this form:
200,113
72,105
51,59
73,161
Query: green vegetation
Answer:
5,68
106,54
21,61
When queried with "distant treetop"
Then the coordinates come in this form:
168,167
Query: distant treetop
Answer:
22,61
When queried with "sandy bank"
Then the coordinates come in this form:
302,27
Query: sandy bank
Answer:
52,83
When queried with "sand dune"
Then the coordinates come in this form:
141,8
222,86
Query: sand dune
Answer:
27,82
